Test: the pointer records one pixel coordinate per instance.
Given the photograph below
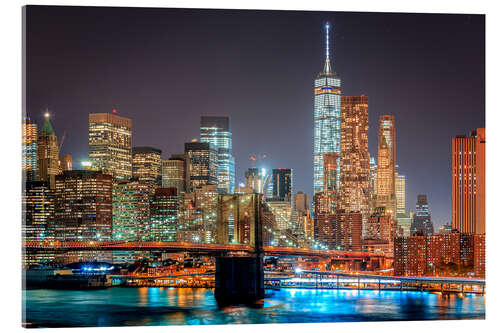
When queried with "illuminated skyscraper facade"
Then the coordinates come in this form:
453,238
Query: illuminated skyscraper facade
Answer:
110,144
83,206
131,210
164,210
47,153
468,182
386,185
217,131
146,165
203,159
282,184
29,150
400,193
175,173
326,118
355,159
38,211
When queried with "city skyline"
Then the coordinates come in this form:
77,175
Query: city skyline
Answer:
273,133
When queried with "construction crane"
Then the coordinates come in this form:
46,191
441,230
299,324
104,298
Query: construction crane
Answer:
62,140
254,159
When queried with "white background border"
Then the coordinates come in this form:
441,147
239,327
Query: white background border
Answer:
10,216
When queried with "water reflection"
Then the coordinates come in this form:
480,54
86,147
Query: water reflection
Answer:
168,306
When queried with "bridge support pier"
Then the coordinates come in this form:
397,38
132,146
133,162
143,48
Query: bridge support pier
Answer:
239,280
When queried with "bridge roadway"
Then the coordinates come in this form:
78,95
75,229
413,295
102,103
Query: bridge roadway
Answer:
214,249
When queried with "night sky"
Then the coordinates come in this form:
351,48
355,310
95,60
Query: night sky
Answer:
164,68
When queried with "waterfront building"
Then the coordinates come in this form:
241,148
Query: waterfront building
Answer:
254,179
479,255
83,206
175,173
47,153
386,190
65,163
400,193
326,118
354,158
441,254
203,161
164,212
146,165
29,150
236,218
468,182
217,131
131,210
37,211
110,144
282,185
422,220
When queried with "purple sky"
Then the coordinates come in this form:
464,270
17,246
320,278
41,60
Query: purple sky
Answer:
164,68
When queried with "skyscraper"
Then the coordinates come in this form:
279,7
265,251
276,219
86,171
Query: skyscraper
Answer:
254,179
38,211
29,150
83,206
422,220
203,159
47,153
198,217
175,173
131,210
355,159
468,182
400,193
301,203
110,144
282,184
386,190
326,117
217,131
146,165
164,210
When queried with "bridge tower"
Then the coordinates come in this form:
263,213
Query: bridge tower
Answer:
240,279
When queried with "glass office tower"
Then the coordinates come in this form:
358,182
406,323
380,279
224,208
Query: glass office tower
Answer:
216,130
326,118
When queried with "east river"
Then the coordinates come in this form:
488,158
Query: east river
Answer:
120,306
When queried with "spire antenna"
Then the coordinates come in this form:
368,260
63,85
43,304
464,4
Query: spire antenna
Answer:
328,68
327,27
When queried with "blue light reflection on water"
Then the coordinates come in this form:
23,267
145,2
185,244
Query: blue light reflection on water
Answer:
168,306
